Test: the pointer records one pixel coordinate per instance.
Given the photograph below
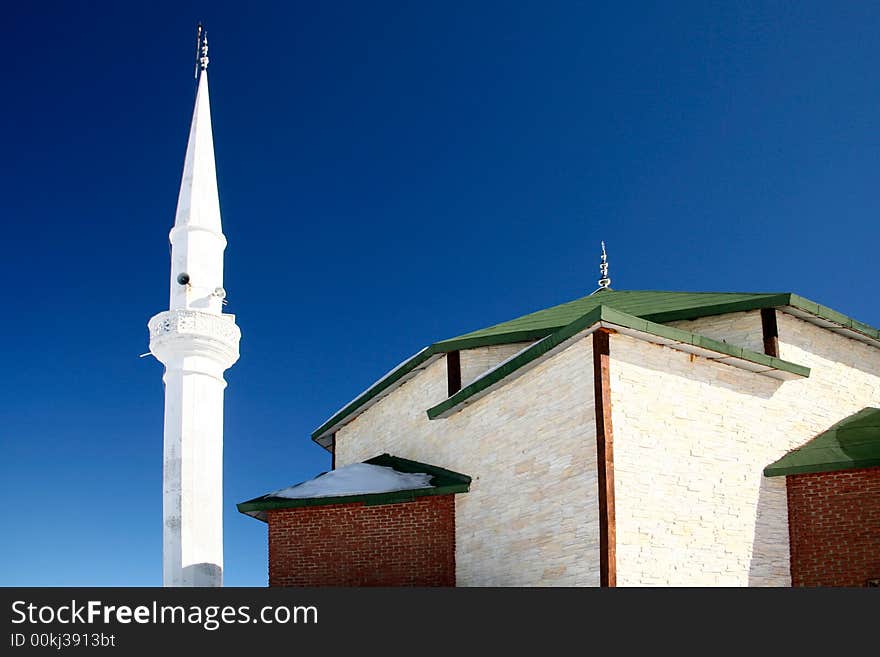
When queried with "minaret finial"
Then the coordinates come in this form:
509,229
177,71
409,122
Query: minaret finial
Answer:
604,282
201,50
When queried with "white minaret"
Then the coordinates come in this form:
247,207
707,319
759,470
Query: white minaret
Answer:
196,342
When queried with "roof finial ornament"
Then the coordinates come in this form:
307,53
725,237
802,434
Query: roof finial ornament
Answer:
604,282
201,50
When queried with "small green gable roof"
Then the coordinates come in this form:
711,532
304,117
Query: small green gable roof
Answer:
854,442
443,482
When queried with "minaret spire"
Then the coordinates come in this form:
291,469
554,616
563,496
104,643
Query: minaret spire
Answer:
198,209
197,342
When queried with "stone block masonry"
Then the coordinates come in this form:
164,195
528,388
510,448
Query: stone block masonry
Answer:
692,438
476,362
404,544
834,527
531,516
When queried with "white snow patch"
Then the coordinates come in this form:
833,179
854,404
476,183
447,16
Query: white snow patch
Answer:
356,479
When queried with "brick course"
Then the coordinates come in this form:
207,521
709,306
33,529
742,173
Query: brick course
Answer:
404,544
834,527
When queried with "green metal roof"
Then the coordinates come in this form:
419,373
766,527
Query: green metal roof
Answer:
648,304
684,340
443,482
652,305
854,442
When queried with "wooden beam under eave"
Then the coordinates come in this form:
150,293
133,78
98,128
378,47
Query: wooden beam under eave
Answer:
453,372
771,332
605,457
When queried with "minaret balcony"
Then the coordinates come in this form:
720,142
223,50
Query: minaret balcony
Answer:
176,334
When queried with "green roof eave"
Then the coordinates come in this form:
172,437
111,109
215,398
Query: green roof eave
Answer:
444,482
758,303
606,316
852,443
252,507
388,381
832,316
510,337
518,361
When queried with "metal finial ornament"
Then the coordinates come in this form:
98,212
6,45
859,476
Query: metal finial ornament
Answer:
604,282
203,60
201,50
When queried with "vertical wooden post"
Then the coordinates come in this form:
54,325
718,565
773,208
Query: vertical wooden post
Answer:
771,332
453,372
605,458
333,452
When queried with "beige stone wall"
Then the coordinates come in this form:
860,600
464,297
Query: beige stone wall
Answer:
692,438
742,329
531,516
474,362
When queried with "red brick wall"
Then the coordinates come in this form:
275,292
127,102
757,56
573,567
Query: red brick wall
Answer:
834,527
405,544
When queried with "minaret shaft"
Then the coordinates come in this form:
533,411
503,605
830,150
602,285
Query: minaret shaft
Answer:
196,342
192,496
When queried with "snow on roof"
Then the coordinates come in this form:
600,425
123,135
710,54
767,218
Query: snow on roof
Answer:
356,479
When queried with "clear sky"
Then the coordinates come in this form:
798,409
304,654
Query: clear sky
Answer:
391,174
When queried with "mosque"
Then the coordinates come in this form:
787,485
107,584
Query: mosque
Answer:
626,438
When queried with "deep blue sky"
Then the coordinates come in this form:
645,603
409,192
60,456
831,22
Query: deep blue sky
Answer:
390,174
